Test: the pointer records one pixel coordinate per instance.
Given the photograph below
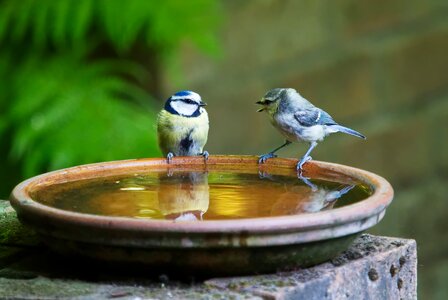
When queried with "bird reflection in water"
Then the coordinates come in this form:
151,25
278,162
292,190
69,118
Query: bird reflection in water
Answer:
181,195
177,196
310,197
184,196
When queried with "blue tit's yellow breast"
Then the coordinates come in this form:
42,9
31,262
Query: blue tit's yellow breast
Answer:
173,130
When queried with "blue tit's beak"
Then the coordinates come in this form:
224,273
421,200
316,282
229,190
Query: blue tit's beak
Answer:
202,104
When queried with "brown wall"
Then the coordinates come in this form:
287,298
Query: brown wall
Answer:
380,67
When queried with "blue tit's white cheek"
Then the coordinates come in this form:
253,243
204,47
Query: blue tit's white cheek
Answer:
183,108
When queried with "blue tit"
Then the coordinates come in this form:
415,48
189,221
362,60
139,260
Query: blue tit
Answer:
298,121
182,126
184,196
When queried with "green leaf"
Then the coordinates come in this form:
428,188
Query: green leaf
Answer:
40,23
22,19
6,15
61,21
82,19
79,113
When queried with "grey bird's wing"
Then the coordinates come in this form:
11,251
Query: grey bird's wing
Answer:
313,116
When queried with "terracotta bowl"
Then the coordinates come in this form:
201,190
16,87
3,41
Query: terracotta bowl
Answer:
214,247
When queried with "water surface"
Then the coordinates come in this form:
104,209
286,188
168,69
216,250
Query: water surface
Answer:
198,195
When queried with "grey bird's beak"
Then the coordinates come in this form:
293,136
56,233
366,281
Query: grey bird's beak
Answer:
202,104
260,103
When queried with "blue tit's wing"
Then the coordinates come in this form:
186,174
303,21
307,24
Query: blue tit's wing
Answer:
313,116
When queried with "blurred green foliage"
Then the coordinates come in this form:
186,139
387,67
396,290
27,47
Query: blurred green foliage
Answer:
75,76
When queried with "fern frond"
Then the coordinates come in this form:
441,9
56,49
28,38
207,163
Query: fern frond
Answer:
79,113
83,18
69,23
59,33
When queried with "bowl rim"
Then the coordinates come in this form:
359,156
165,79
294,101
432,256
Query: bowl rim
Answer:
363,211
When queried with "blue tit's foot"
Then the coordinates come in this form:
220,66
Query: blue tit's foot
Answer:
303,161
205,155
264,175
263,158
169,157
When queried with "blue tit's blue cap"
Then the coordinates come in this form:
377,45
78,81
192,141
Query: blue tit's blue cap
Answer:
183,93
186,94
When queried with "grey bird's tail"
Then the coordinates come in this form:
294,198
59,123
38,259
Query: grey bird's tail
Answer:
348,131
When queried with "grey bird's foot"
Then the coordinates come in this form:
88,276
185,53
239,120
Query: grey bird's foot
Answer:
205,155
263,158
169,157
303,161
307,181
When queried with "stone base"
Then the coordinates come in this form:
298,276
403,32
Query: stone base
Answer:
372,268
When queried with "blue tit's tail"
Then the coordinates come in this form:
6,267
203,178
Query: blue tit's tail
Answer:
348,131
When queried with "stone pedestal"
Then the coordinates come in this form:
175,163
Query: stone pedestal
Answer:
372,268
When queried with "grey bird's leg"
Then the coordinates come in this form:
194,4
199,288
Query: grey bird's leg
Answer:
306,157
306,181
205,155
263,158
169,157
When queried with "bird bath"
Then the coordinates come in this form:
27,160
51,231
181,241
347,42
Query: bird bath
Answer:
230,216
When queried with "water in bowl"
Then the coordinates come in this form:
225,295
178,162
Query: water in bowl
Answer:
199,195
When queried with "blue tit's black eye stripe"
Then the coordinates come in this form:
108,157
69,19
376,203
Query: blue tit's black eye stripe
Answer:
189,101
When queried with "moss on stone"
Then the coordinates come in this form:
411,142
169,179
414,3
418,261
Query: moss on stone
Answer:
12,232
44,288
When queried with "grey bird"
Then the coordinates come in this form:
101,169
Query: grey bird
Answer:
298,121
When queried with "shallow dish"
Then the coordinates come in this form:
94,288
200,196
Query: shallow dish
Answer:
239,246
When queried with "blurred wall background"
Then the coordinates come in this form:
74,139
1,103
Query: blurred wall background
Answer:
377,66
81,82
